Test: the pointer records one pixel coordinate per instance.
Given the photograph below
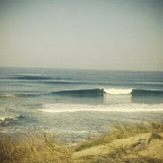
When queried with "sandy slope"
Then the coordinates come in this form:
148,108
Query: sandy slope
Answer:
147,145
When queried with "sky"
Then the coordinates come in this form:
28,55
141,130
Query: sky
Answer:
82,34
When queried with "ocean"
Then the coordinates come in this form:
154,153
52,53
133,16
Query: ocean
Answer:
77,104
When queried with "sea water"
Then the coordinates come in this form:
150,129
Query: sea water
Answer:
77,103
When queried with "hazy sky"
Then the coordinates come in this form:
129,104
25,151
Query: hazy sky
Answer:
93,34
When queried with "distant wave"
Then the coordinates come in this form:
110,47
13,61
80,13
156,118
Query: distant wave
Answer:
28,94
31,77
64,82
39,77
150,83
60,107
5,120
146,92
19,95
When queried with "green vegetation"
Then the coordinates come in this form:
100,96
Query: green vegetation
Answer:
124,144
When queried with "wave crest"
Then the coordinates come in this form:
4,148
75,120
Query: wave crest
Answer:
114,91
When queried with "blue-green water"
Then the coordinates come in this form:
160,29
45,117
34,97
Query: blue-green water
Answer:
77,103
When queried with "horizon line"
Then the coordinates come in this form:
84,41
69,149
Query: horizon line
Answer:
89,69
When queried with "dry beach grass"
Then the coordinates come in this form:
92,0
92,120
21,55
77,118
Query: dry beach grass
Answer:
129,144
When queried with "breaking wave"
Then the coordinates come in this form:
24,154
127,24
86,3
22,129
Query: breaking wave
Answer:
117,91
111,91
98,92
60,107
82,92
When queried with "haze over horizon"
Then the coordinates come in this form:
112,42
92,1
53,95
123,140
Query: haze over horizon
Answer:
83,34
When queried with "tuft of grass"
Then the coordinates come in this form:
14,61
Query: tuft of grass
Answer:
32,148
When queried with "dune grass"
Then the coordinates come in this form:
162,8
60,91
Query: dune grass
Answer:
120,131
46,148
32,148
125,143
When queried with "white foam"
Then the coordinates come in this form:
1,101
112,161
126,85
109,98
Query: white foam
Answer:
60,108
5,119
115,91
